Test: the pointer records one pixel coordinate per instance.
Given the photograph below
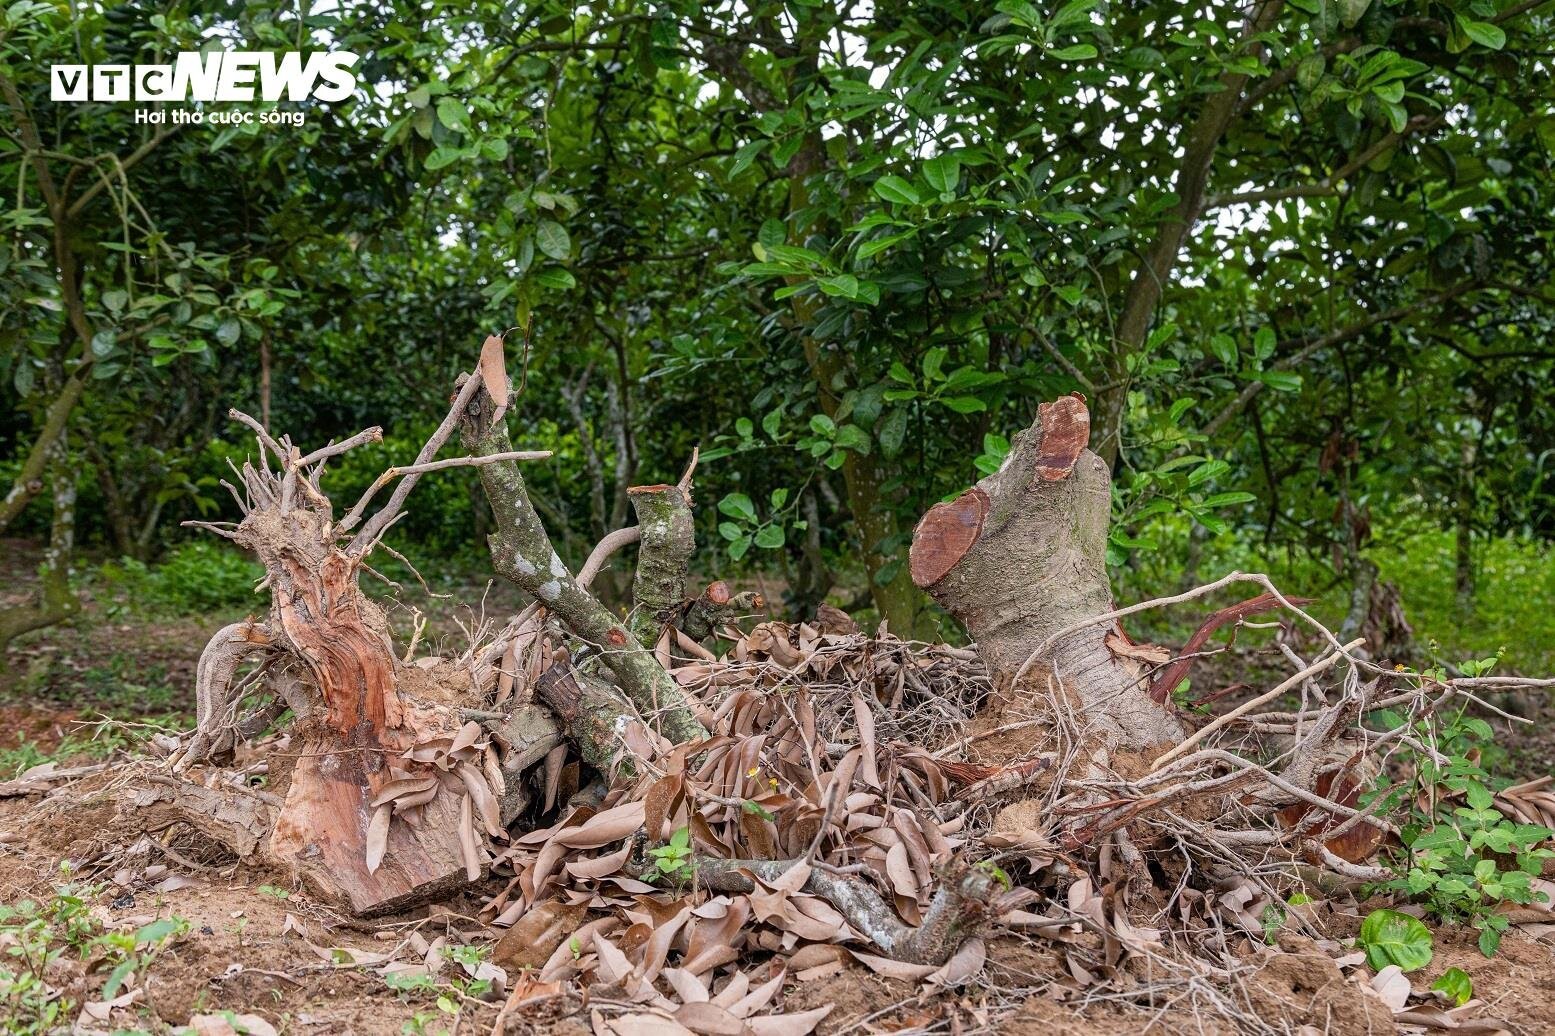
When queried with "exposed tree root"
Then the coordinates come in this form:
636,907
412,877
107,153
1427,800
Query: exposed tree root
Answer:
216,698
238,821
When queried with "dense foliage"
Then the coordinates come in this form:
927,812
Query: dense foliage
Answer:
1297,255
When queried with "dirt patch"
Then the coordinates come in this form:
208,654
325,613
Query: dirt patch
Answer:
39,727
1303,986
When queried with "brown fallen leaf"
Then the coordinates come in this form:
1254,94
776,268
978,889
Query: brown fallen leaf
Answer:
603,828
378,836
536,935
403,786
645,1024
99,1010
1391,987
893,968
798,1024
218,1025
709,1020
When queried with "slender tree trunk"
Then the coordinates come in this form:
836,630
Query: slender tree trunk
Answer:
1463,568
864,475
1199,142
30,479
54,602
264,378
113,503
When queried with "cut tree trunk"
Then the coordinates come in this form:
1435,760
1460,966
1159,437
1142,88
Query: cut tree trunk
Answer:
1020,560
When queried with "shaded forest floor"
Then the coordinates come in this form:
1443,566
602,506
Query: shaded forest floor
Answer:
270,957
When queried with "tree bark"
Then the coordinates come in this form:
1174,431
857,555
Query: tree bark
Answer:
264,379
1463,561
30,479
668,540
863,475
1020,558
54,603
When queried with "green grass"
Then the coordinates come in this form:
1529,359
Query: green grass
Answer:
99,745
1513,606
195,578
134,701
1514,600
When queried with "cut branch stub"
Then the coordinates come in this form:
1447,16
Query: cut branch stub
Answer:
945,534
663,555
717,607
1065,427
1021,556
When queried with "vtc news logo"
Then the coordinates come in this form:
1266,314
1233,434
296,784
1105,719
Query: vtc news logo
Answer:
217,76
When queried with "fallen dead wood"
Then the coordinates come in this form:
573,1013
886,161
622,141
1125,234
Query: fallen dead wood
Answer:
40,780
956,911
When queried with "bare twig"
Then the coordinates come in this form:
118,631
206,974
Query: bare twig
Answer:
604,550
1322,664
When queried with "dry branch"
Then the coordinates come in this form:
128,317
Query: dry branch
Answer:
521,551
959,907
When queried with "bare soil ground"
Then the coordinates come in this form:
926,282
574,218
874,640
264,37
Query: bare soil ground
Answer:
253,948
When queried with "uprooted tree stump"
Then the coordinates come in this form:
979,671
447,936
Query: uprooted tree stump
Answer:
393,791
360,735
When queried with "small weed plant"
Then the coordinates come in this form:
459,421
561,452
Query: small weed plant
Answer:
449,996
38,937
672,861
1463,858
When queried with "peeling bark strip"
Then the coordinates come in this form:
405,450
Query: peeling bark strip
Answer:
1172,675
1021,556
